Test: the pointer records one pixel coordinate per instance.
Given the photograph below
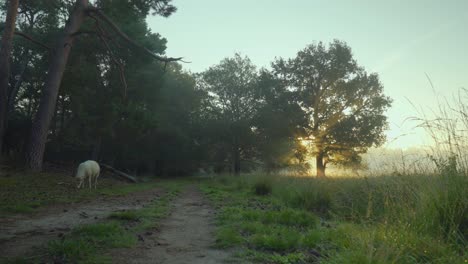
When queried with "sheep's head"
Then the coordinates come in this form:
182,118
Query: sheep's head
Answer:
80,172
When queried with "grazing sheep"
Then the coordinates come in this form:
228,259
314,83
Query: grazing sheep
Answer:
88,169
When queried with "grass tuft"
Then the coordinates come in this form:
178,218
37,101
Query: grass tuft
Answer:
228,237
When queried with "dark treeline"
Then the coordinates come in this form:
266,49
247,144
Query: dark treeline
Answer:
145,114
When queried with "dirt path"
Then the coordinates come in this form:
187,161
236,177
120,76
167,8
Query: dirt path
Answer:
186,236
19,234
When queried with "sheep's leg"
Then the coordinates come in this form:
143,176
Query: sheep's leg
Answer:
95,182
90,181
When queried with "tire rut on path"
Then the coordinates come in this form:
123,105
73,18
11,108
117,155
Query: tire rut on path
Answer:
185,236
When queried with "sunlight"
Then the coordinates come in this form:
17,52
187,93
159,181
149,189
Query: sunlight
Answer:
282,144
304,142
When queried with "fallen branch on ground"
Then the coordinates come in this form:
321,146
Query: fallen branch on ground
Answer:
119,173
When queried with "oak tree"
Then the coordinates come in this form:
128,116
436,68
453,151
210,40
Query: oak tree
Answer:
345,105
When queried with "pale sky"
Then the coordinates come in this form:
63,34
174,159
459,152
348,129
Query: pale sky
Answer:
401,40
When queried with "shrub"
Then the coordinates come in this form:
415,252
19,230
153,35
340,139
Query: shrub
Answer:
263,186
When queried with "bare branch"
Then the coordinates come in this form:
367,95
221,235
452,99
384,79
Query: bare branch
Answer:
114,27
32,40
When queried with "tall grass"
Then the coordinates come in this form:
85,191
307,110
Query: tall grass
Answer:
447,201
400,218
387,219
447,125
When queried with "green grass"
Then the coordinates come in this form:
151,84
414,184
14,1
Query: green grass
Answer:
266,229
384,244
390,219
22,192
84,242
227,237
408,219
272,257
89,243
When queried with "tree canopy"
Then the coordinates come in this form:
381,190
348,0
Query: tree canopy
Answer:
344,104
232,104
121,101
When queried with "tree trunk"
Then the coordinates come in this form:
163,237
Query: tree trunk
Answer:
320,165
96,149
5,53
53,125
236,156
61,132
30,103
62,114
41,123
236,162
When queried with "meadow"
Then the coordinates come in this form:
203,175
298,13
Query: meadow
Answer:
267,218
388,219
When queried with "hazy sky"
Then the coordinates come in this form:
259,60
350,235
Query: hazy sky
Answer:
401,40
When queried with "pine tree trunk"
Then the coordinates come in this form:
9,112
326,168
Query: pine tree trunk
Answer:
320,165
62,114
30,104
5,53
61,131
41,123
53,125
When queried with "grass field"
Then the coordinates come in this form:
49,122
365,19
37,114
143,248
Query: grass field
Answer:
398,219
22,192
278,219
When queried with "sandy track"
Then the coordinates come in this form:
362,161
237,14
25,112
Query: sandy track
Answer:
186,236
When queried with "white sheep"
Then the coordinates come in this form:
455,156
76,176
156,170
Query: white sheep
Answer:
88,169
